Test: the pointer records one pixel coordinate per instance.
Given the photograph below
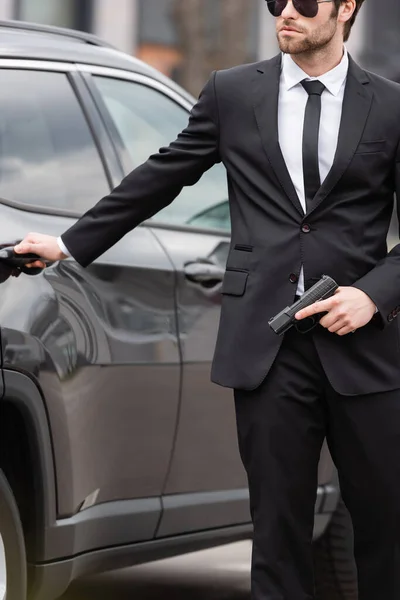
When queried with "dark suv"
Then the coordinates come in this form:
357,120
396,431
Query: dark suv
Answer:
115,447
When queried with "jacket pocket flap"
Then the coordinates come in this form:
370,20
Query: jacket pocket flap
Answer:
235,282
367,147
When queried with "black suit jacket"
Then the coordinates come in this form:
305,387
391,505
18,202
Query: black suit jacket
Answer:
235,121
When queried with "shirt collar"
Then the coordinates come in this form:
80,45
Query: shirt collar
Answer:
333,80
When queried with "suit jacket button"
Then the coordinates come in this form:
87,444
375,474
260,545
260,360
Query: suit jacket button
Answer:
390,318
293,278
306,228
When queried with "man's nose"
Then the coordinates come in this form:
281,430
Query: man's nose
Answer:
289,12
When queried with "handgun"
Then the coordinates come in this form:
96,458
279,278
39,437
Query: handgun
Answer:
283,321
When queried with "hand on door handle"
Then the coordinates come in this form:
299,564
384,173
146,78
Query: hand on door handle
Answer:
8,258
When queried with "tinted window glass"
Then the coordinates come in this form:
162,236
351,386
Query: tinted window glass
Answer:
216,216
47,154
146,120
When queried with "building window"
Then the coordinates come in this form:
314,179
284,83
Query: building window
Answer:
75,14
187,41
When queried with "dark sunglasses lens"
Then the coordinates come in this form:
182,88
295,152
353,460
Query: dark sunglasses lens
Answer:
276,7
307,8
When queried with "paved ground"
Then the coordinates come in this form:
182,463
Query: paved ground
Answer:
217,574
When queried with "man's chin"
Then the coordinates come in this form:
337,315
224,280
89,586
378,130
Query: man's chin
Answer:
291,46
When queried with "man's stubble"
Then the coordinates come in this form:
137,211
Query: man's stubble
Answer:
313,42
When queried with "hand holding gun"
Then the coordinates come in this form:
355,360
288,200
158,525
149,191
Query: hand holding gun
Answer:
284,320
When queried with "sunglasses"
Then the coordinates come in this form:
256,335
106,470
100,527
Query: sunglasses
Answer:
306,8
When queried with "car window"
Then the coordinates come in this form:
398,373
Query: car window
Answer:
216,216
47,154
146,120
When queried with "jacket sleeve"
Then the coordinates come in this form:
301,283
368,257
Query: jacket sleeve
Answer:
151,186
382,283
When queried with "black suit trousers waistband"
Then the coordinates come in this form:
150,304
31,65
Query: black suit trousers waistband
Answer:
281,427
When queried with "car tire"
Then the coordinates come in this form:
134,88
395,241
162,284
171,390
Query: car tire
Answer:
334,566
12,546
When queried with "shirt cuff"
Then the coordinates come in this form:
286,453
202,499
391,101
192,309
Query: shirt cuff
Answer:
63,247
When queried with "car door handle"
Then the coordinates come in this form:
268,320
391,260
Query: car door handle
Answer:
205,272
19,261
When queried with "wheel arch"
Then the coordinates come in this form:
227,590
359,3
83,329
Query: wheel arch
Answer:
23,398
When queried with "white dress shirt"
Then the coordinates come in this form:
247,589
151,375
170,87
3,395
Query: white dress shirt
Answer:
291,110
63,247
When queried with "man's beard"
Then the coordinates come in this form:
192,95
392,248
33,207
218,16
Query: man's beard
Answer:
316,41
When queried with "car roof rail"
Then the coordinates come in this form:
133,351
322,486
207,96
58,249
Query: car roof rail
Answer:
73,34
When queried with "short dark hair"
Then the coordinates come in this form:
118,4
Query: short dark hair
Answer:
351,22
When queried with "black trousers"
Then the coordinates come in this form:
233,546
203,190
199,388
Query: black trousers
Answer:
281,427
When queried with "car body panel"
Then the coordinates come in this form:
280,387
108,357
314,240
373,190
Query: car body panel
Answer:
206,465
206,475
101,343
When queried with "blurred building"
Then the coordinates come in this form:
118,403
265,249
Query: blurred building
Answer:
186,39
381,50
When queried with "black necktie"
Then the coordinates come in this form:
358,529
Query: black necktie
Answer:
312,117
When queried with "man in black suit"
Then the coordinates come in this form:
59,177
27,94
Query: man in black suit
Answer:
310,143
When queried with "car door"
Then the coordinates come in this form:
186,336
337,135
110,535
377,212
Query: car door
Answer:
206,486
101,342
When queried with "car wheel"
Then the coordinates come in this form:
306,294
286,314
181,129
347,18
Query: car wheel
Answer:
13,577
334,565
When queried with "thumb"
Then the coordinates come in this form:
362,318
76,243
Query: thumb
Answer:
28,244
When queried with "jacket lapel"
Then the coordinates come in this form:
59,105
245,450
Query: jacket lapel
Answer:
266,93
357,103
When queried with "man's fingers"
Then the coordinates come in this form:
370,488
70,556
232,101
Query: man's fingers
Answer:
345,331
30,243
317,307
45,246
25,248
36,264
329,321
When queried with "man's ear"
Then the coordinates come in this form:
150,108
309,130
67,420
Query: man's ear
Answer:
346,10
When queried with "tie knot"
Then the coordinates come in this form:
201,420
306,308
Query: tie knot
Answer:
313,88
